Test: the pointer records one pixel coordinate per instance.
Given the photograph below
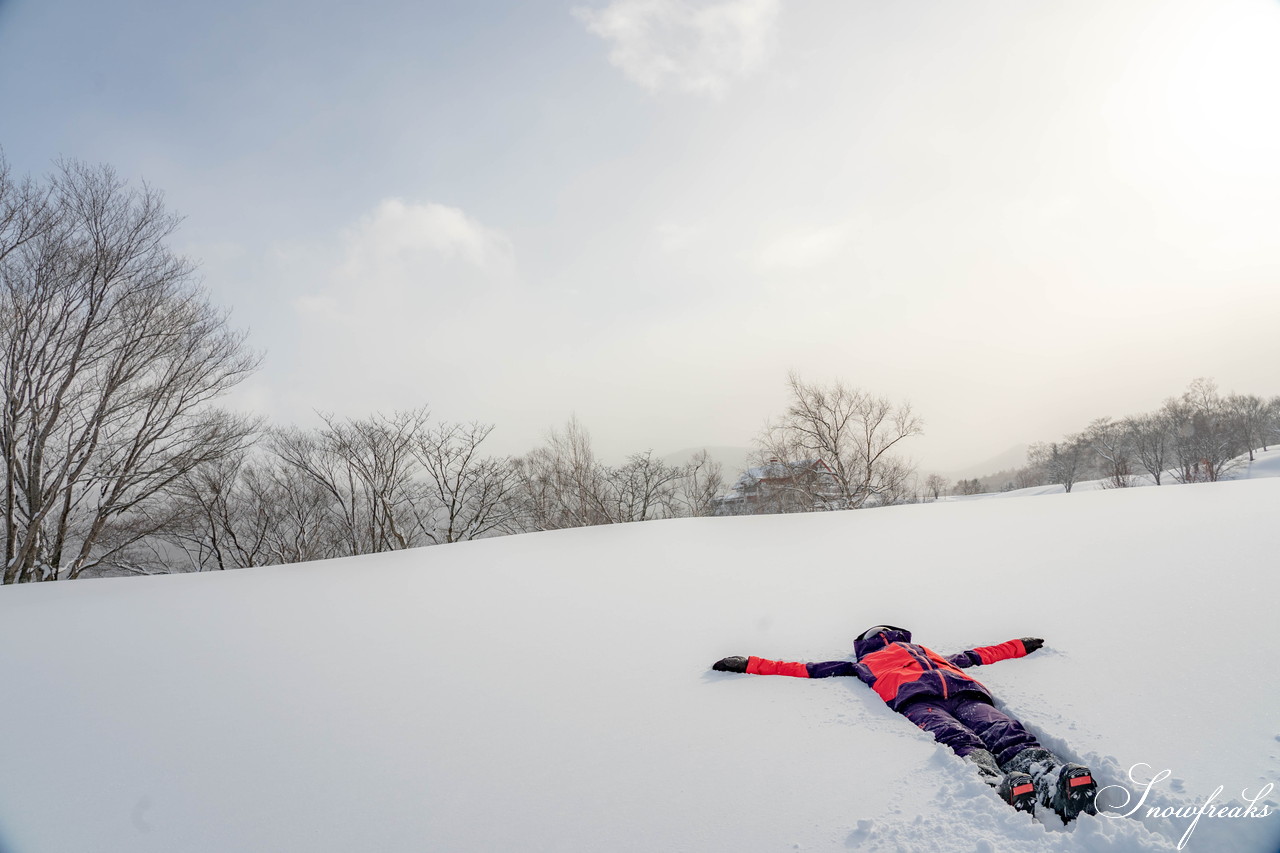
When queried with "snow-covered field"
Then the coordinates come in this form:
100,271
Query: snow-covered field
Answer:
551,692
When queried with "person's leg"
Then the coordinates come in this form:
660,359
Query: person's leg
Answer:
935,719
1004,735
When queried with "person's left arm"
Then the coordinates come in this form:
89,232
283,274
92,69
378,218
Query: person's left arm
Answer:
990,654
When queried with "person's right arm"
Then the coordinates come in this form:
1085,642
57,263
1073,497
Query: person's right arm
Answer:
763,666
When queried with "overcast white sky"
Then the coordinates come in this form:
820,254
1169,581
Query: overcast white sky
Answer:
1017,214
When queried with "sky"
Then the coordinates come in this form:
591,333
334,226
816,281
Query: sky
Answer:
1017,216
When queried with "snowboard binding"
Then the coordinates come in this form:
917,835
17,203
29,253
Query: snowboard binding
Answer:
1074,793
1019,791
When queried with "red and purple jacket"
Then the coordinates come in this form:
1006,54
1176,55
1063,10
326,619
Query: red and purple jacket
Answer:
899,670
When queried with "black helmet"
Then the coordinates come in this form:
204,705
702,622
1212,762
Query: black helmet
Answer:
876,629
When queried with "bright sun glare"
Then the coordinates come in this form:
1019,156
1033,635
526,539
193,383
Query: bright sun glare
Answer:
1220,96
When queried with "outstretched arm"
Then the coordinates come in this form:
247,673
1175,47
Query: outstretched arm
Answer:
990,654
763,666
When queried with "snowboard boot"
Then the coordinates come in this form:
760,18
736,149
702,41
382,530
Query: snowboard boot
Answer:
1041,765
985,763
1074,792
1035,760
1019,791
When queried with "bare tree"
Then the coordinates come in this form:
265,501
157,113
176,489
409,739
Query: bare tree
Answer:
1028,477
368,469
1151,437
251,510
353,486
301,513
642,489
701,483
935,485
1061,461
901,486
225,528
27,212
1112,445
1204,443
469,496
562,484
110,356
852,431
1248,415
1271,426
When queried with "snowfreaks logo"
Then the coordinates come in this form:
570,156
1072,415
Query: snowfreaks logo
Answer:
1193,812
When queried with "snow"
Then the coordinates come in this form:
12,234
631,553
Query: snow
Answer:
1265,464
552,691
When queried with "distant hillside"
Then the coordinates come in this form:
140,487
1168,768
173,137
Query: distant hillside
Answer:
1010,460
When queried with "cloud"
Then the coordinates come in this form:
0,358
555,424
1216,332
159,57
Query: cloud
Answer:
390,310
403,260
805,249
698,47
400,240
676,237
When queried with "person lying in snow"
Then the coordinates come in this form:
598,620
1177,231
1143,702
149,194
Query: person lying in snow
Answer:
932,692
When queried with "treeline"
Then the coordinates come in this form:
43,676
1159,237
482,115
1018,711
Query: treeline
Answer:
361,486
1199,436
385,483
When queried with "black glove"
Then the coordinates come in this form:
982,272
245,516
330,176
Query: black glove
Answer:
730,664
1032,643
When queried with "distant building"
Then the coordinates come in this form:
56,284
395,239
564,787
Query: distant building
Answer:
801,486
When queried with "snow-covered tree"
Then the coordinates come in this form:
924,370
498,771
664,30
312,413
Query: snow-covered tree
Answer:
1205,443
852,431
1112,446
935,485
467,496
368,469
1151,439
701,483
1061,461
110,359
1248,415
562,484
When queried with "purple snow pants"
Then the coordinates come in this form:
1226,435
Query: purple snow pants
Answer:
966,722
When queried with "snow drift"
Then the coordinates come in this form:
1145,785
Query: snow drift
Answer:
552,692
